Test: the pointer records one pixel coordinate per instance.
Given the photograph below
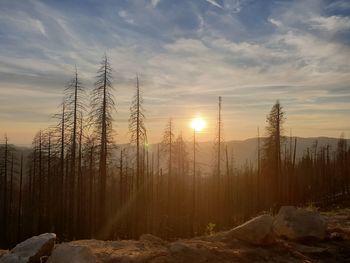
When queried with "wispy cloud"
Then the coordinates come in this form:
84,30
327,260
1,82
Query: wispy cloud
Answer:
155,2
214,3
123,14
331,23
187,54
275,22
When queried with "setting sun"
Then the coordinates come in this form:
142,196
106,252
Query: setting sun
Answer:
198,124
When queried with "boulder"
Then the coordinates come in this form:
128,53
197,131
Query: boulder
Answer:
73,253
257,231
299,224
31,250
309,249
3,252
179,247
152,239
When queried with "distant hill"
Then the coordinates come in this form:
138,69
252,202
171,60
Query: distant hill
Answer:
243,151
246,151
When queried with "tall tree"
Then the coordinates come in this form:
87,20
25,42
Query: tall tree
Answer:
219,192
272,149
74,106
5,163
19,210
137,127
102,108
218,140
138,138
258,180
60,134
167,144
167,149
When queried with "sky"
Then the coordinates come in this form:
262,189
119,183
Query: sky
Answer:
186,53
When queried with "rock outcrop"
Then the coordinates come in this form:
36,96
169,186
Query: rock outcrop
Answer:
257,231
3,252
253,241
73,253
299,224
31,250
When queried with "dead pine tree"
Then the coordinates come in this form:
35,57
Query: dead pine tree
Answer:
167,150
137,128
293,180
5,161
79,222
89,153
60,135
258,179
48,183
74,106
121,179
19,209
102,108
219,190
12,164
193,212
38,143
138,137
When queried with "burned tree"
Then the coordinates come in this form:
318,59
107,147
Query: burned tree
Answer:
137,128
102,108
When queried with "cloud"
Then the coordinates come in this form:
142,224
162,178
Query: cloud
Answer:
187,54
126,16
155,3
331,23
233,6
275,22
22,22
214,3
339,5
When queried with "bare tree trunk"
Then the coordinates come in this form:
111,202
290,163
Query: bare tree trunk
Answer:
259,188
49,183
79,218
193,212
5,192
72,226
40,200
19,213
11,199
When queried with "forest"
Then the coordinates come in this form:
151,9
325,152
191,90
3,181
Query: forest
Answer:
72,183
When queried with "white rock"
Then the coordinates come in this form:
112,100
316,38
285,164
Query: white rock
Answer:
298,224
31,250
257,231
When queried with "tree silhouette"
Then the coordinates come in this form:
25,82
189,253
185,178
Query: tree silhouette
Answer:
137,127
74,93
272,149
101,117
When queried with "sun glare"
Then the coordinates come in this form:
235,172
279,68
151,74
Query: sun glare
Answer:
198,124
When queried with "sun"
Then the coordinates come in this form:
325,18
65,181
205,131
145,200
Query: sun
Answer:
198,124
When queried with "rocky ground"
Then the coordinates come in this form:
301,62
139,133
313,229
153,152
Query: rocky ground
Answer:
293,235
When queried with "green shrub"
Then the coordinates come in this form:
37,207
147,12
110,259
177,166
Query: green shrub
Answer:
210,228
